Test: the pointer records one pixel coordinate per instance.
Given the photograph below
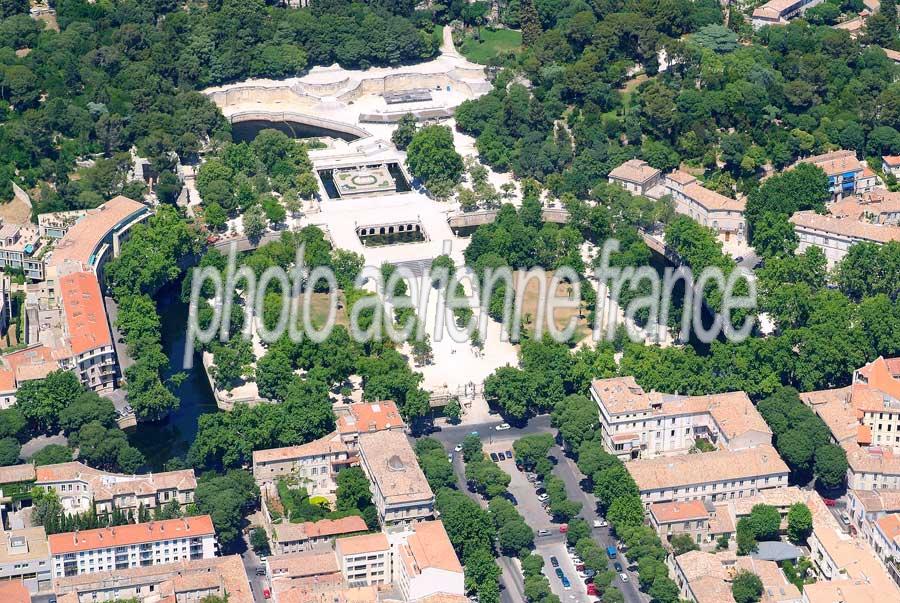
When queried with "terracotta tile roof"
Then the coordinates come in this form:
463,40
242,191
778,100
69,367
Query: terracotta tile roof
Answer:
721,465
670,512
846,227
776,588
834,408
392,465
871,459
307,563
14,591
836,162
364,543
371,417
153,531
290,532
17,473
890,526
106,485
681,177
33,362
856,560
842,591
711,200
430,547
892,160
80,242
878,501
359,594
634,170
871,206
882,375
85,313
894,56
329,444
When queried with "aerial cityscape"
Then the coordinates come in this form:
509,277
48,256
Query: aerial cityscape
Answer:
507,301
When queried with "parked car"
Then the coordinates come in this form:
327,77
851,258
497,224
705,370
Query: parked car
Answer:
543,497
494,457
502,427
260,571
624,577
579,567
589,573
458,448
565,582
267,594
600,523
543,532
592,589
554,562
450,457
559,573
829,502
618,567
845,518
509,454
564,528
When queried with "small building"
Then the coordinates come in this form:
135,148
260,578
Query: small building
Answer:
364,560
425,564
706,577
779,12
846,564
25,557
886,539
706,207
890,164
21,249
399,489
635,176
702,521
298,537
369,417
715,476
132,545
313,465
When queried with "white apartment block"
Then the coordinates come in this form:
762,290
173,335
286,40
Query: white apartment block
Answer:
637,424
866,507
78,486
835,235
21,250
131,546
24,556
424,562
364,560
714,476
706,207
399,489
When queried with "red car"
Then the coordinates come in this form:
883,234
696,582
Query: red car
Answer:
564,528
267,593
592,589
829,502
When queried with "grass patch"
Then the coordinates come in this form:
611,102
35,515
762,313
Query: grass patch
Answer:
561,316
493,43
320,305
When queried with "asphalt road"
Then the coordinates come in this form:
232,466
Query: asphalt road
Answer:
251,562
531,510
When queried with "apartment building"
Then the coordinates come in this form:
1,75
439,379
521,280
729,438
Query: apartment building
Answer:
78,485
182,582
25,556
364,560
314,465
297,537
635,176
132,545
865,507
33,362
878,206
706,207
846,566
399,489
310,572
886,542
847,175
424,562
706,577
368,417
779,12
864,418
702,521
21,249
715,476
834,235
637,424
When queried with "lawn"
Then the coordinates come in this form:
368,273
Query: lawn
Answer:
561,316
493,42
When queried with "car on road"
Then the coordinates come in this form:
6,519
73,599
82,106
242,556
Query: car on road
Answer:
494,457
267,594
564,528
624,577
845,518
559,573
509,454
503,427
829,502
554,562
618,567
543,497
458,448
600,523
474,433
543,532
450,457
565,582
611,552
260,571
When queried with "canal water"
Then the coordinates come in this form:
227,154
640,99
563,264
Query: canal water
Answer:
172,437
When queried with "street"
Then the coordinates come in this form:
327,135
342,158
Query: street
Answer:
251,562
532,511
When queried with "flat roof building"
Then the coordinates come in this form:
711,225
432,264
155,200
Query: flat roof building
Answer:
400,491
25,557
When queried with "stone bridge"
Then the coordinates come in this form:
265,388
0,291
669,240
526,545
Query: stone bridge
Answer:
348,131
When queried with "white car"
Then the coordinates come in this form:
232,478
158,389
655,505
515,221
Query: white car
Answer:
458,448
502,427
624,577
600,523
543,497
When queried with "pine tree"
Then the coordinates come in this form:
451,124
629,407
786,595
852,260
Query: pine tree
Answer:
531,23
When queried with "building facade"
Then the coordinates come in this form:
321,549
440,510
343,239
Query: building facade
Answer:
132,546
706,207
635,176
364,560
25,556
847,175
298,537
